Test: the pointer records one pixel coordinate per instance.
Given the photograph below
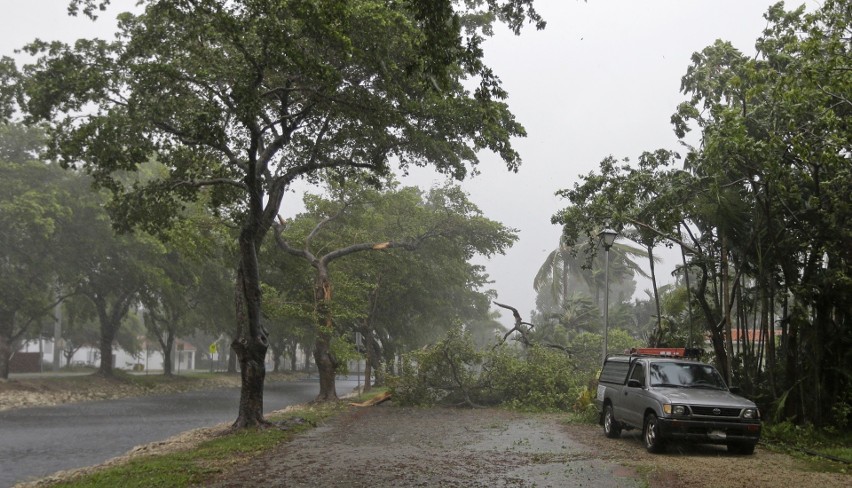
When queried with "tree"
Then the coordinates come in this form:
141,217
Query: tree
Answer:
79,326
415,298
577,268
20,144
109,270
577,314
212,315
287,304
760,205
382,221
630,199
586,349
775,158
175,299
240,98
168,300
32,209
560,267
37,200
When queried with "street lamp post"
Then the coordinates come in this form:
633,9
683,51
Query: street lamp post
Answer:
684,253
607,237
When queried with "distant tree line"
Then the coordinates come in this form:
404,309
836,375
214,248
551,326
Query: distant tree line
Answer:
59,248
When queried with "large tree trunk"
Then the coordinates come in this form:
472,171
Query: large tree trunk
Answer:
325,360
108,331
307,352
168,348
276,361
5,355
368,373
251,356
372,359
69,355
294,348
7,338
326,364
293,360
277,349
110,314
250,342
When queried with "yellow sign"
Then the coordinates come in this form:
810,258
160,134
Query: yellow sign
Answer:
213,348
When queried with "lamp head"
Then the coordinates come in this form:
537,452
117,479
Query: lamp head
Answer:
607,237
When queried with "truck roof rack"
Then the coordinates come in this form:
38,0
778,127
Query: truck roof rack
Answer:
667,352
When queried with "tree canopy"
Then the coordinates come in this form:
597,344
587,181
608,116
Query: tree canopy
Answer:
354,219
237,99
760,205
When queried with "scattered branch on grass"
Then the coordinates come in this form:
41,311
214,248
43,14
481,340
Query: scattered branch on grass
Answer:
459,382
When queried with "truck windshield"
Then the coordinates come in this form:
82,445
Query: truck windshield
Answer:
686,375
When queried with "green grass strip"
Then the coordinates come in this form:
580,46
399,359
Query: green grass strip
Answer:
211,458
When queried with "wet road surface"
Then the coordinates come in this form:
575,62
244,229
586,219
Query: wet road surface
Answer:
35,442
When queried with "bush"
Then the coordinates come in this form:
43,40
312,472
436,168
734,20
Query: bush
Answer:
535,379
454,372
447,372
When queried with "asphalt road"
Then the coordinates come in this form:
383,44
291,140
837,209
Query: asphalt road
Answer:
35,442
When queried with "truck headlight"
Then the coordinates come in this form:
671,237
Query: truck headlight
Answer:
751,413
670,409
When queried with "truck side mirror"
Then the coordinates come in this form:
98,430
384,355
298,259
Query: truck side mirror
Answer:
634,383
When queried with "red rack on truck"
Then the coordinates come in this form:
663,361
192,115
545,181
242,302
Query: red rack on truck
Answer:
667,352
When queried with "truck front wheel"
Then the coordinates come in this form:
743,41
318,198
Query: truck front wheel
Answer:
612,428
651,434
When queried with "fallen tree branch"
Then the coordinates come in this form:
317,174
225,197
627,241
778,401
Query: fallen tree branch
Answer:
519,327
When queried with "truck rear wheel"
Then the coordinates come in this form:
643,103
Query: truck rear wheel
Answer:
612,428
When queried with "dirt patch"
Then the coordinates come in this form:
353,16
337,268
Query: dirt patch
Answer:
391,446
702,465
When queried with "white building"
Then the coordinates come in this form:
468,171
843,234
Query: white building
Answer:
150,358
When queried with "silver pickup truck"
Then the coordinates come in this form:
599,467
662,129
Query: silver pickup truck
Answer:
672,398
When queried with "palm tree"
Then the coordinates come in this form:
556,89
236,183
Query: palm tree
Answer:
579,314
566,264
560,266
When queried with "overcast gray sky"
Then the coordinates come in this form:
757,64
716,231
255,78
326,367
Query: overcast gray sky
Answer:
602,79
